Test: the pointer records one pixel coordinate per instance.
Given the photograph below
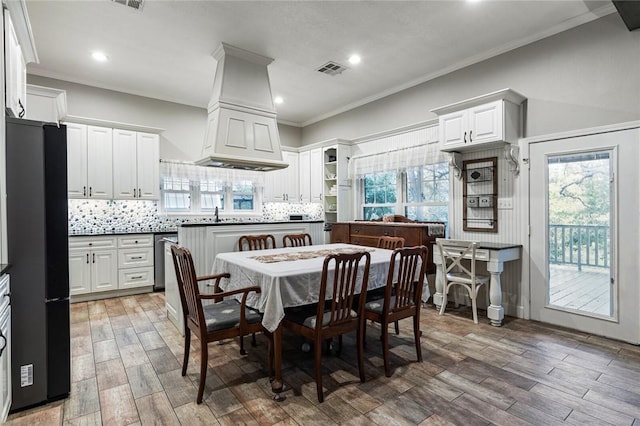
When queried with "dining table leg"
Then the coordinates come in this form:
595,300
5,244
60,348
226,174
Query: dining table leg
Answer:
276,384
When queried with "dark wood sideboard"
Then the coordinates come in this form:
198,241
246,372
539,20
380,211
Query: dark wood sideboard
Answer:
367,234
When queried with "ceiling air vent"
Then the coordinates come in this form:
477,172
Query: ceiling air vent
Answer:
134,4
332,68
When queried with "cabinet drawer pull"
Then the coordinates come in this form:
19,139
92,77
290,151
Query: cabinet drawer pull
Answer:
137,277
136,257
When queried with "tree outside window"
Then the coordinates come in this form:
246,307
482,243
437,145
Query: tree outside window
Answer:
380,195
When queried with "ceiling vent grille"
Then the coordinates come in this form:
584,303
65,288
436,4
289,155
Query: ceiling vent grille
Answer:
332,68
134,4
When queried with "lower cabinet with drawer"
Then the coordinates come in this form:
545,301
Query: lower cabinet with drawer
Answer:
107,266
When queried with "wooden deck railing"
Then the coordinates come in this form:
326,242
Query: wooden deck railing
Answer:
581,245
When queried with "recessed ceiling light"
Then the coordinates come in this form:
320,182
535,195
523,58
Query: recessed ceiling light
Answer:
99,56
278,99
354,59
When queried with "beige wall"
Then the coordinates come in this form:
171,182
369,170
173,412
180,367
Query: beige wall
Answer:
183,125
584,77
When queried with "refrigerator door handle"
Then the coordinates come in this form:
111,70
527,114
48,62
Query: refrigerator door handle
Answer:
4,343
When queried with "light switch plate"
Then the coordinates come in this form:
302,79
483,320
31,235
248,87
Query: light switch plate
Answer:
505,203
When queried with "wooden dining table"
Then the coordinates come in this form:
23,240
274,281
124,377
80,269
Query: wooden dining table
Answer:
288,277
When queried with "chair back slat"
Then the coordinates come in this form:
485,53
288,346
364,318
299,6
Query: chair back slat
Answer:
453,252
188,285
344,286
256,242
410,264
390,243
296,240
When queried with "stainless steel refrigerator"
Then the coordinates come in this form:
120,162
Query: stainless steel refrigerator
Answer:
38,252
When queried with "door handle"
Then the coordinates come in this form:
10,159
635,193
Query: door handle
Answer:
84,191
470,132
465,137
139,193
94,258
87,258
90,190
136,257
134,193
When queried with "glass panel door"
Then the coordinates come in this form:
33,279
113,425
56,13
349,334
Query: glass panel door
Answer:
579,228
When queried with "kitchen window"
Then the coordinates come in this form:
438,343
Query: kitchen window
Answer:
380,195
190,189
419,193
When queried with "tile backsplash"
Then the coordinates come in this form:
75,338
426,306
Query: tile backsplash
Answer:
104,216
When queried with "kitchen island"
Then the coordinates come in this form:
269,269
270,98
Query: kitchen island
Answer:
205,241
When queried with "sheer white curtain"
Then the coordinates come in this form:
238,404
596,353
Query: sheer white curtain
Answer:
396,153
187,170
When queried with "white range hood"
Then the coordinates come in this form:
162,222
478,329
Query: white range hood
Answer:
242,131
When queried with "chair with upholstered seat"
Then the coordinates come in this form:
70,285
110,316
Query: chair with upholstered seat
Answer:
256,242
296,240
459,268
390,243
227,318
402,297
335,315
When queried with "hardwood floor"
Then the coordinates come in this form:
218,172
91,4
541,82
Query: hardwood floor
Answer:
127,358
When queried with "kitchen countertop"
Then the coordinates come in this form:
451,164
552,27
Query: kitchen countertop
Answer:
90,233
173,230
224,223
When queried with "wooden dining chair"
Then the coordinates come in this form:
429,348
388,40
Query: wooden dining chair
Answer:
402,297
249,243
336,316
390,243
456,272
296,240
217,321
256,242
387,243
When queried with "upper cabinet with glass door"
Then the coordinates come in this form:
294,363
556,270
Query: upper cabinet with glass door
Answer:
482,122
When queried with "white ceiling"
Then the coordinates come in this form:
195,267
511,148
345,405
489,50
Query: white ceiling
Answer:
163,51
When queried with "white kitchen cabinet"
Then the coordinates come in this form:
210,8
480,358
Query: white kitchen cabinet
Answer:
76,160
136,158
89,161
93,265
135,261
479,123
15,71
311,183
283,185
304,168
46,104
5,348
315,175
92,271
110,264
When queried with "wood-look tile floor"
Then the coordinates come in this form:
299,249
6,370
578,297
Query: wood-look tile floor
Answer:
127,358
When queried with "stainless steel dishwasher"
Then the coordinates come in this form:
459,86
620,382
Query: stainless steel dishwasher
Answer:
158,251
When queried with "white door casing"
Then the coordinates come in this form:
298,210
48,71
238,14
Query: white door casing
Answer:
624,144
